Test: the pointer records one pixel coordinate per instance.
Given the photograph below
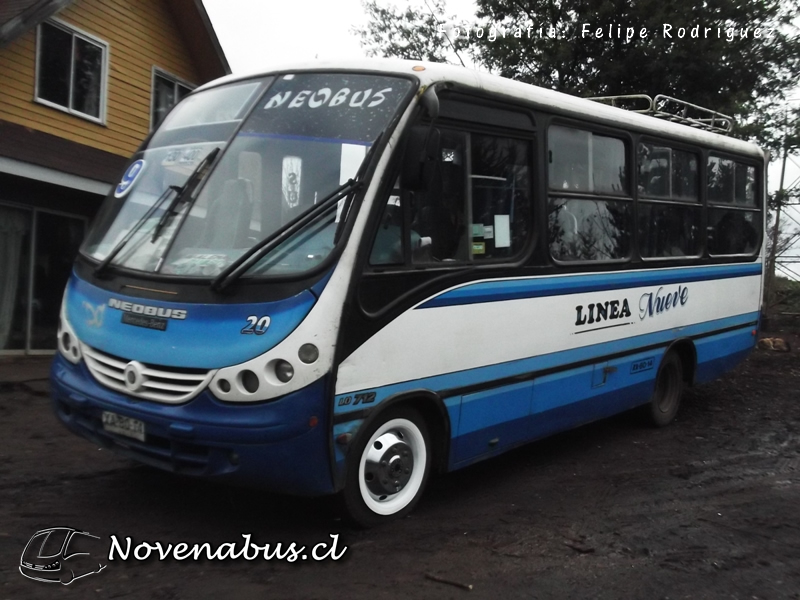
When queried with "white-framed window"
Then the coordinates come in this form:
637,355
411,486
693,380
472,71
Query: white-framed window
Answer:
168,90
71,71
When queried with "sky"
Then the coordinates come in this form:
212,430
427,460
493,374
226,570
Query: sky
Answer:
256,34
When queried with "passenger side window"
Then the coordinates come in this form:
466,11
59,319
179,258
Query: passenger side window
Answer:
669,208
387,248
501,207
589,205
439,215
734,216
477,208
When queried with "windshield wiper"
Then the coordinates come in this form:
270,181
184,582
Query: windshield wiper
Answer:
188,188
99,269
242,264
246,261
191,184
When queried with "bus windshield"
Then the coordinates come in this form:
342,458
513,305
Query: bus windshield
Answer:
285,142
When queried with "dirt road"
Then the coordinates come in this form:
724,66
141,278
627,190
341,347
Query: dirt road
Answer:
706,508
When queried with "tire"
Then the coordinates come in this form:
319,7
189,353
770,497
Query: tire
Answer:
387,468
667,394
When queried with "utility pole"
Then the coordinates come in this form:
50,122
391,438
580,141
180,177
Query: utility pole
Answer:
790,138
773,253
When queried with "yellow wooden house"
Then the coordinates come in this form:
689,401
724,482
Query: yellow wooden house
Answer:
82,84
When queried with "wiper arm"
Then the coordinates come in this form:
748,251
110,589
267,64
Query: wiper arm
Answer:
100,269
186,190
191,184
246,261
242,264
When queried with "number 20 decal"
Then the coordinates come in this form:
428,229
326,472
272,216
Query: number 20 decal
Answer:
256,325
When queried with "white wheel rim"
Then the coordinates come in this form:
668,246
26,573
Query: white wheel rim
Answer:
401,433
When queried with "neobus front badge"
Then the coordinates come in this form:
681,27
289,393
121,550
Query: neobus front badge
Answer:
129,178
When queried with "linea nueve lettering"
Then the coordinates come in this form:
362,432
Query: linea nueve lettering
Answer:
601,311
655,303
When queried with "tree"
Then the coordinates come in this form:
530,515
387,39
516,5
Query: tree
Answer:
702,51
411,33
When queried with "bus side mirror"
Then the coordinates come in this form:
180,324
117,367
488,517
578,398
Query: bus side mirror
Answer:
422,153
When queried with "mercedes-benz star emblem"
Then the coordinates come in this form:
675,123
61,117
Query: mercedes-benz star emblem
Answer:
134,375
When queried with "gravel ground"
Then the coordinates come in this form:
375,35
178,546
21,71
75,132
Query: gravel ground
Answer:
708,507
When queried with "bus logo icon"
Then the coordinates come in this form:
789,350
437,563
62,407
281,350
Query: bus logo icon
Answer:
130,177
61,555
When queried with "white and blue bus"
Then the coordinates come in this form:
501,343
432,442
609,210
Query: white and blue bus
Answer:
339,278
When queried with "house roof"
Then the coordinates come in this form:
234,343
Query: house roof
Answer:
19,16
200,37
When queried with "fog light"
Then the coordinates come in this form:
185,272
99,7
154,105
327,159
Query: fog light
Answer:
66,341
249,381
284,371
308,353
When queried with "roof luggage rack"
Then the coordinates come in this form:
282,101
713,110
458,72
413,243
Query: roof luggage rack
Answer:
671,109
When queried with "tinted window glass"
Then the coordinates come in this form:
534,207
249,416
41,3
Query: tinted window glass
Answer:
745,185
666,173
685,182
500,197
581,161
608,166
733,231
388,246
720,180
439,215
669,230
477,207
580,230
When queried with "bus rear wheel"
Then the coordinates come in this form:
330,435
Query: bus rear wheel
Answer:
667,394
388,468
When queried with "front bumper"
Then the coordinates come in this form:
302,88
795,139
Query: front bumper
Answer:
269,445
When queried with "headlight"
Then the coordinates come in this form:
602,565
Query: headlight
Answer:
68,343
284,371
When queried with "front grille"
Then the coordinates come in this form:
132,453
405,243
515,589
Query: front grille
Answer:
169,385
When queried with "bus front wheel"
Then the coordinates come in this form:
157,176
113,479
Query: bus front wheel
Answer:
668,391
388,468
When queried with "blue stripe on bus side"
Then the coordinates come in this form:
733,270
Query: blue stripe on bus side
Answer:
721,353
497,420
480,375
537,287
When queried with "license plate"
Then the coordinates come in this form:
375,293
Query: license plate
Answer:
132,428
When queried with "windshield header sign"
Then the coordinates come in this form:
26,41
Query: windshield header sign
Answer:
327,107
325,97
